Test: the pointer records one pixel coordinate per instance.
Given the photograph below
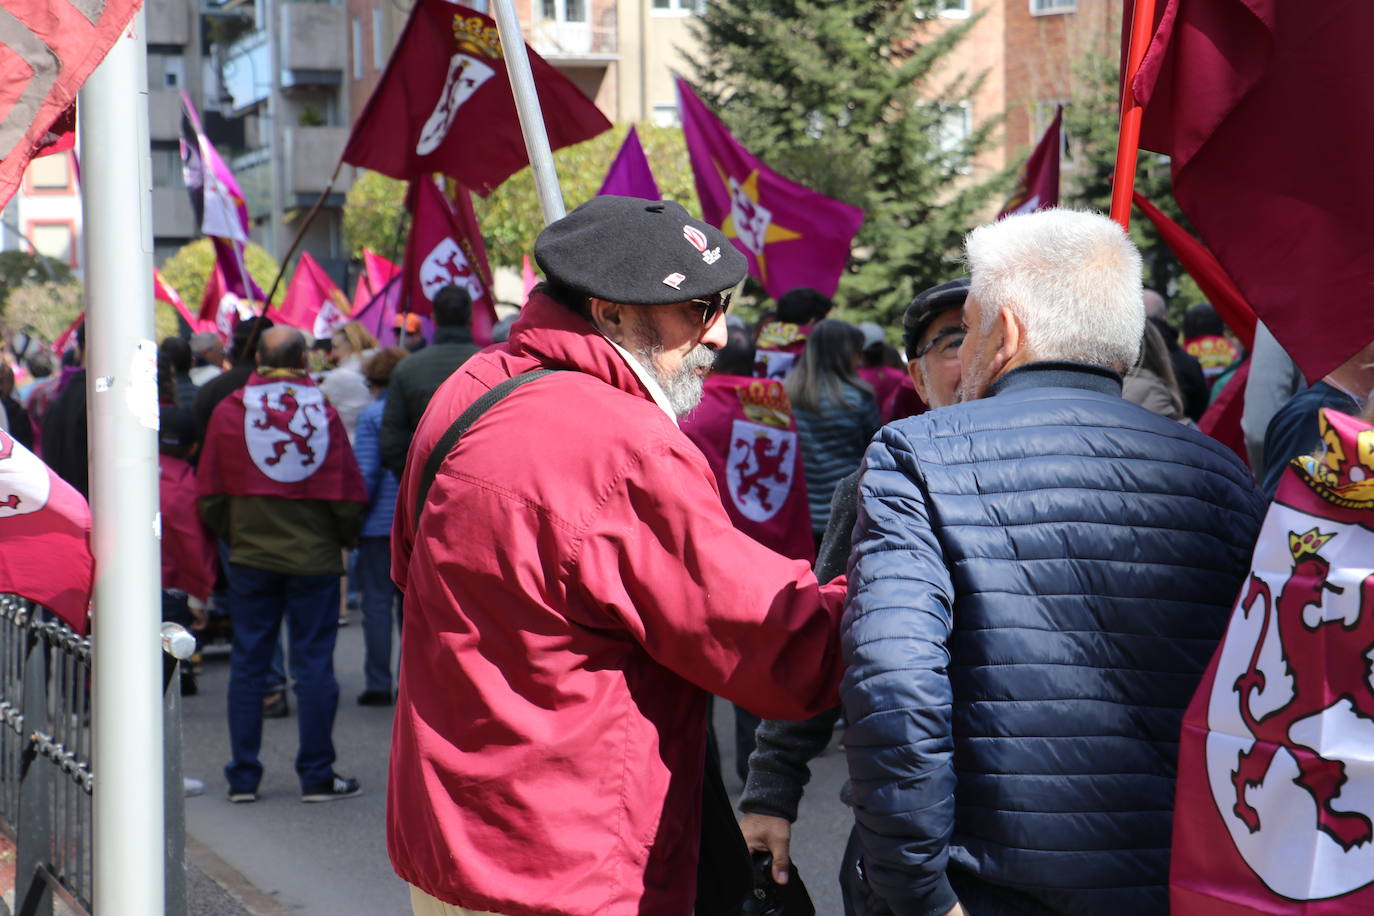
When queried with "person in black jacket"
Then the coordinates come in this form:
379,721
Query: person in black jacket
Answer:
1192,384
1039,577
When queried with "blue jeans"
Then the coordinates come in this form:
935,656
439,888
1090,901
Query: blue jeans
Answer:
276,678
380,599
310,607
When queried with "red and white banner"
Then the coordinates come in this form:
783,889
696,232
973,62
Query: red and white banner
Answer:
164,293
1275,802
312,302
45,529
445,247
1037,187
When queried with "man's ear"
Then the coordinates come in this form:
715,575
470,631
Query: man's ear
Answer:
913,369
1011,351
606,315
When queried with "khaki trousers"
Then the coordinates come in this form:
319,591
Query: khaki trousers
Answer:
422,904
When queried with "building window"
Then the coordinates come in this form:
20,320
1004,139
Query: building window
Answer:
678,7
1050,7
174,73
50,175
378,44
357,48
956,9
55,239
953,127
565,10
665,115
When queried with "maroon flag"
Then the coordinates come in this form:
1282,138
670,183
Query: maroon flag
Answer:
1260,106
279,437
444,104
47,49
1038,185
1275,790
445,247
45,526
745,429
188,549
791,235
312,302
1209,275
221,307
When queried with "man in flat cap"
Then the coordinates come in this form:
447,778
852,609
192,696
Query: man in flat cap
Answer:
574,589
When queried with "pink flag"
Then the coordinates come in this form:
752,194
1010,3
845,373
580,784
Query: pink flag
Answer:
45,525
791,235
164,293
630,175
377,271
528,278
313,303
1272,810
222,307
1038,185
445,247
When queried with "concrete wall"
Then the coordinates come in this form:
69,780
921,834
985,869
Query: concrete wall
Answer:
313,37
311,153
169,22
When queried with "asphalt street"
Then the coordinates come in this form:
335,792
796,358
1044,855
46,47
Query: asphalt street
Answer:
279,856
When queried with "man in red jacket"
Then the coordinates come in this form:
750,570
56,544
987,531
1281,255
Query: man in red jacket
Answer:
574,589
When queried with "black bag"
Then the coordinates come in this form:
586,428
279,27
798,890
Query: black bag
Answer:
724,878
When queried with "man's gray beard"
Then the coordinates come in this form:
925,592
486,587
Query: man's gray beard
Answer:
683,387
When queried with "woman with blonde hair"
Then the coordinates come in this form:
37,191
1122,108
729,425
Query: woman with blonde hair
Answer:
344,385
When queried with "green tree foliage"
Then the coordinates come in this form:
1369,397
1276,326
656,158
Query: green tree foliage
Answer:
848,97
510,217
1091,122
19,269
188,271
44,309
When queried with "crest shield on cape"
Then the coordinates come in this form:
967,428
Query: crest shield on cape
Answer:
759,468
286,428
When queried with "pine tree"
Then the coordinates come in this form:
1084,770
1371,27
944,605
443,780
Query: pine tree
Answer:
847,97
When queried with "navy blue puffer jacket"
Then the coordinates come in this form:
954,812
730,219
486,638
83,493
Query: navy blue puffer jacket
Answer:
1038,581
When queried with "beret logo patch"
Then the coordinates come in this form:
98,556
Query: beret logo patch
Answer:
712,256
674,280
695,236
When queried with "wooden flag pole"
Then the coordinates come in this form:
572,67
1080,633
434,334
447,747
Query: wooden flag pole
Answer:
527,104
1128,141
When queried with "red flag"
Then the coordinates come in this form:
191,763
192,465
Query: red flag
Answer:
1038,185
1210,276
445,246
164,293
444,104
45,526
1260,106
221,307
279,437
745,429
47,49
1275,791
60,344
791,235
312,302
377,272
188,549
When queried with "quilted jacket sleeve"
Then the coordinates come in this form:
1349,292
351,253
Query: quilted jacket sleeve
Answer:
896,690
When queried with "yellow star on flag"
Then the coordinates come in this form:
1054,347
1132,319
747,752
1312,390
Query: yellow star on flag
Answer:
774,233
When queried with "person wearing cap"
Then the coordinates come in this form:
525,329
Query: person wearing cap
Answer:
932,330
1039,576
417,378
410,332
573,589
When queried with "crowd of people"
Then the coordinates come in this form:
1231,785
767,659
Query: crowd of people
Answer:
1001,556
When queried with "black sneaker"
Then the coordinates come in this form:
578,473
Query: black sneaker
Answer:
375,698
337,788
243,797
274,705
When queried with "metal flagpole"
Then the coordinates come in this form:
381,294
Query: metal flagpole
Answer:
121,387
531,117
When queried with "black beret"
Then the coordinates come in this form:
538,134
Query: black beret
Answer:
639,252
927,305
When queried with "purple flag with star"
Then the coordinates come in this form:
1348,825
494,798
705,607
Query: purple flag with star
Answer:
629,175
791,235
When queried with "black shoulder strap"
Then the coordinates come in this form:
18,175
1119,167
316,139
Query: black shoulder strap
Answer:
459,426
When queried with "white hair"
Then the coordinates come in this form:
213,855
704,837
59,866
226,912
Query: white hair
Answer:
1071,277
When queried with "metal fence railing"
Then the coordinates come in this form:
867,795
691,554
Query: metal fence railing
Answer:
46,772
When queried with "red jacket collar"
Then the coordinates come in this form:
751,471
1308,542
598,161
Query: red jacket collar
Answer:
553,335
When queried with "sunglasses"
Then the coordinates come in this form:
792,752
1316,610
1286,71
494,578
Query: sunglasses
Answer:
711,306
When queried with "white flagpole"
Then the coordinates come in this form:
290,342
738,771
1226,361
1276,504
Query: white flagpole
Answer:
121,386
531,117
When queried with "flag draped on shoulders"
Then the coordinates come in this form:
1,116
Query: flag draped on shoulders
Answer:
630,175
445,247
45,528
1038,185
1260,105
189,562
1275,791
312,302
792,235
444,104
47,50
744,427
279,437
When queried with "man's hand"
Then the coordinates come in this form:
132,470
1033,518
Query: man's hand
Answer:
770,834
958,910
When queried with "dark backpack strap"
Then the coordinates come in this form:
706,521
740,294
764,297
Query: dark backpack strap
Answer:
459,426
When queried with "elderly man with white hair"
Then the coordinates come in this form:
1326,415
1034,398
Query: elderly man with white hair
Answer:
1040,574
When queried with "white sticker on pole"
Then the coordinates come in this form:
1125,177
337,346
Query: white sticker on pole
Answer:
142,392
